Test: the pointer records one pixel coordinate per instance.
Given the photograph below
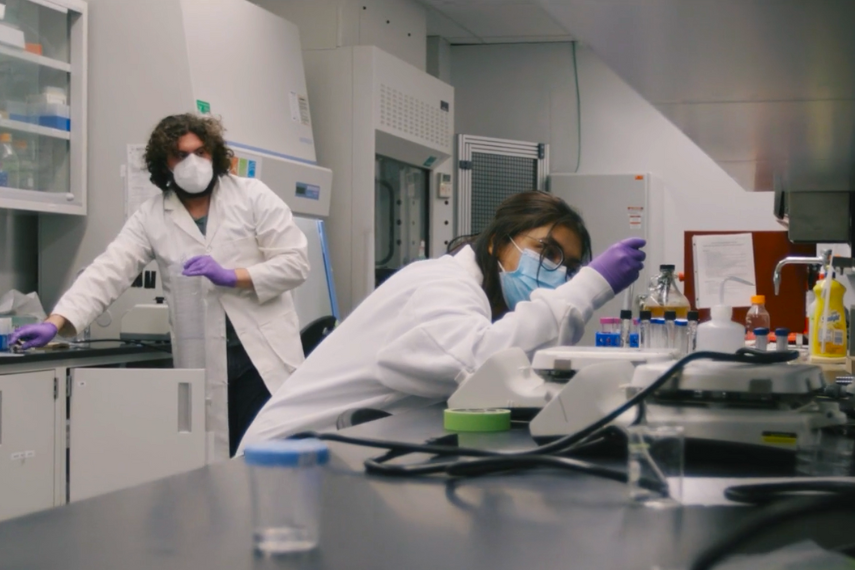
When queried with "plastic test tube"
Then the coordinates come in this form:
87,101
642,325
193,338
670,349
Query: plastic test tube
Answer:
682,327
761,338
692,331
644,340
782,342
657,333
625,327
670,329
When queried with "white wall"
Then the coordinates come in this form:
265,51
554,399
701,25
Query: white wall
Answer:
18,251
395,26
527,92
621,132
518,91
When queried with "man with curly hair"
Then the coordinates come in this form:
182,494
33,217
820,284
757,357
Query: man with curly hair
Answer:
233,231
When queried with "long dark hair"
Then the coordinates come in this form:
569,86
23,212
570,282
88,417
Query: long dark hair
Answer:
515,215
164,142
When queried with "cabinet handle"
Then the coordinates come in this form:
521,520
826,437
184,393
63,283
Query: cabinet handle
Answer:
185,418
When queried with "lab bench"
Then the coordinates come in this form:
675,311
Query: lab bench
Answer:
540,519
79,422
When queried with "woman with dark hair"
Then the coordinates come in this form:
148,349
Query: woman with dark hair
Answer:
521,282
233,231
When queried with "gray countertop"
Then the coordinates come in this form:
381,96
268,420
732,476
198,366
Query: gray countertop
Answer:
535,520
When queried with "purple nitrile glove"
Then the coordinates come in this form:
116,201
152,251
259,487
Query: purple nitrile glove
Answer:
621,263
205,266
34,336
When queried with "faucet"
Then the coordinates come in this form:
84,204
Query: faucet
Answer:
824,259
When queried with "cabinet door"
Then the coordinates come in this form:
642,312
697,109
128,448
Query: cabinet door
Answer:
27,439
43,106
133,426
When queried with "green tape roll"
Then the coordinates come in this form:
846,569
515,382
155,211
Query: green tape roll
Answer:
477,420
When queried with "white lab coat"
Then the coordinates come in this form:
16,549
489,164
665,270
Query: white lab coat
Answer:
248,227
406,345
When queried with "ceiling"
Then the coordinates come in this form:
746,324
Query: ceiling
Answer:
765,87
492,21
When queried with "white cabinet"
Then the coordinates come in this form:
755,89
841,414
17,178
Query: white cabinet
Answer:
27,437
129,427
43,105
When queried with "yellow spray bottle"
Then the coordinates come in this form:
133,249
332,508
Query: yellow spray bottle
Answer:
828,334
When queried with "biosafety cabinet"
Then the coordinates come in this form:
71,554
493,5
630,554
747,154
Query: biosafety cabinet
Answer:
386,129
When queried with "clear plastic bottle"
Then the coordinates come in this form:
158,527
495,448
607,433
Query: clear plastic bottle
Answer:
10,165
692,331
664,295
682,332
757,317
27,172
670,329
644,332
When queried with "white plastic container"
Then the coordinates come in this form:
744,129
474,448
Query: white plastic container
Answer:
721,334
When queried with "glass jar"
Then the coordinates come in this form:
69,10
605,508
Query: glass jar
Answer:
664,295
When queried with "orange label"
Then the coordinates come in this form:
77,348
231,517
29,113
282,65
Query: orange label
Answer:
639,177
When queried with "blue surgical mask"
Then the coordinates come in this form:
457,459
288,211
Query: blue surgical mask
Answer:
519,284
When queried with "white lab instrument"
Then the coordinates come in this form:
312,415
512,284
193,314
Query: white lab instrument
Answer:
592,394
561,362
505,380
386,129
769,405
146,322
509,380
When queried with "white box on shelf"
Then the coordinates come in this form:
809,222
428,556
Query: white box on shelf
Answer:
11,36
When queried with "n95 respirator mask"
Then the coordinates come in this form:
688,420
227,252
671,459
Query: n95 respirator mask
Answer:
193,174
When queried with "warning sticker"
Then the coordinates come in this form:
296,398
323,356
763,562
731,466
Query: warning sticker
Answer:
636,217
299,108
780,438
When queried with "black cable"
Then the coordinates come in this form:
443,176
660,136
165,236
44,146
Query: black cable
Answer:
578,111
769,519
162,346
764,493
565,444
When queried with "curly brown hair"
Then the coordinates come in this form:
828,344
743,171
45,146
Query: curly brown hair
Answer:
164,142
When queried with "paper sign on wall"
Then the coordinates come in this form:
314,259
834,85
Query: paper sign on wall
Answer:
724,270
138,186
